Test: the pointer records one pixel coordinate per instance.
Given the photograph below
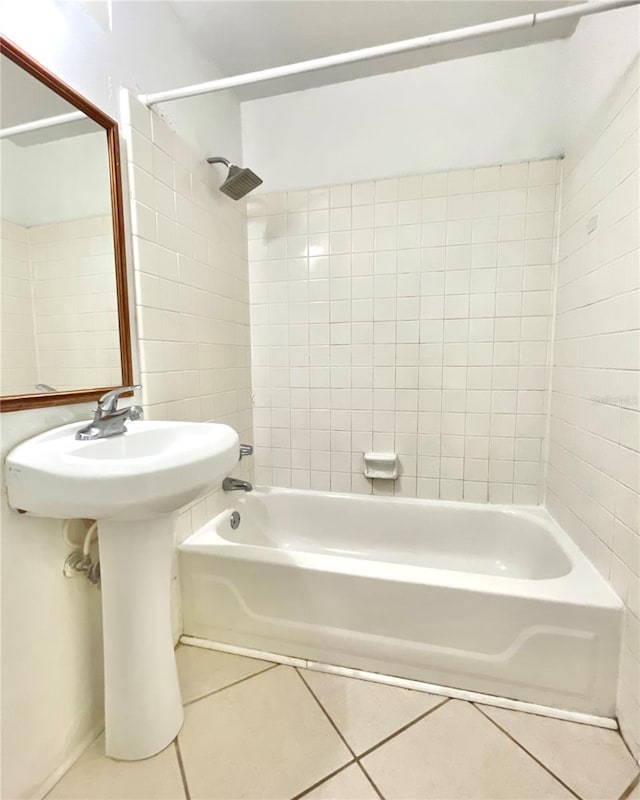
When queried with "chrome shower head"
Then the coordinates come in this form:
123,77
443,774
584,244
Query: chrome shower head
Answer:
240,181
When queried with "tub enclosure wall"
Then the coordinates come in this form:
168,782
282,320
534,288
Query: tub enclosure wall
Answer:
412,315
190,267
594,442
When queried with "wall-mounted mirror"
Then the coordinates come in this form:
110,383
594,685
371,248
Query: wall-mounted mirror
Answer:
64,322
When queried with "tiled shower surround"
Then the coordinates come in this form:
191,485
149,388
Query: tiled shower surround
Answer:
45,271
192,292
18,361
594,444
192,296
410,315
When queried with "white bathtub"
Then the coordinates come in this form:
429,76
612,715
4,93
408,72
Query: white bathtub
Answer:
484,598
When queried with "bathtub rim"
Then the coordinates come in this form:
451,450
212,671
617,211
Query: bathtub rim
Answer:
583,585
501,512
440,690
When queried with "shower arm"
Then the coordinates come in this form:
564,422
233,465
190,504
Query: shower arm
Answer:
219,160
407,45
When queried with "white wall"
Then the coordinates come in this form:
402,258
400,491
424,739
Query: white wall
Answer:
56,181
146,51
51,661
599,53
52,704
490,109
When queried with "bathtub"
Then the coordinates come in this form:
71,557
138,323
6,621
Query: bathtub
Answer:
484,598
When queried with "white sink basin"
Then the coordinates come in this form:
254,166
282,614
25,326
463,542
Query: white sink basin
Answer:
132,484
154,468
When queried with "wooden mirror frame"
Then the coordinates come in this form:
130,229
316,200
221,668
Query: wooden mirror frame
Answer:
42,399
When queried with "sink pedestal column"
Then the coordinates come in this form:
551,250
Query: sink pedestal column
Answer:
143,706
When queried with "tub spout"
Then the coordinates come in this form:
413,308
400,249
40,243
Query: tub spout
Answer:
234,485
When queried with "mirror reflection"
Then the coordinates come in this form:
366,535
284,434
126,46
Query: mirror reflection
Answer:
59,317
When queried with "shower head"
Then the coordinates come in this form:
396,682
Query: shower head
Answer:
240,181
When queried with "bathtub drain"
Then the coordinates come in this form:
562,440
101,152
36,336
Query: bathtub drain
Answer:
234,520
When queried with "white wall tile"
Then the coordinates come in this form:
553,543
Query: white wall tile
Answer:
399,343
59,316
592,483
192,295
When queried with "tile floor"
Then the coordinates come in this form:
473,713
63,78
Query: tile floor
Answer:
261,731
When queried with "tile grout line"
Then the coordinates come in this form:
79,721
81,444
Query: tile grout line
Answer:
634,783
524,749
306,791
370,779
404,728
183,773
357,758
326,713
229,685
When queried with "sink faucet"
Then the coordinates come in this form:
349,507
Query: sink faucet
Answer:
107,420
235,484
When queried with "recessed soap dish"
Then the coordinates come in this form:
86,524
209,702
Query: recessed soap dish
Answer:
382,466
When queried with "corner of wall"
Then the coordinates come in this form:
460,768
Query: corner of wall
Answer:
594,420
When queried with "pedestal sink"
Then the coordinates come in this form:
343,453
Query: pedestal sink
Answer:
132,484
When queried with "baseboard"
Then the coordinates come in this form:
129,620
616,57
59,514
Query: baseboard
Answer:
49,782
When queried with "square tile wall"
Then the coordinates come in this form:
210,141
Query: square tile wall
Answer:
594,443
192,293
59,316
18,363
408,315
74,303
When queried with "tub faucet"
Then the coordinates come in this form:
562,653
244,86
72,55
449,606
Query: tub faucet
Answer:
107,420
235,484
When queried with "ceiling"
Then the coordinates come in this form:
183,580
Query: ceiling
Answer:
246,35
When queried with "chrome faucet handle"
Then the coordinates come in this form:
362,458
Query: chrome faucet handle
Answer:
246,450
135,412
109,401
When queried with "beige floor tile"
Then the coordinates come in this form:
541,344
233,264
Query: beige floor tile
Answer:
366,712
350,784
594,762
97,777
263,738
203,671
457,753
